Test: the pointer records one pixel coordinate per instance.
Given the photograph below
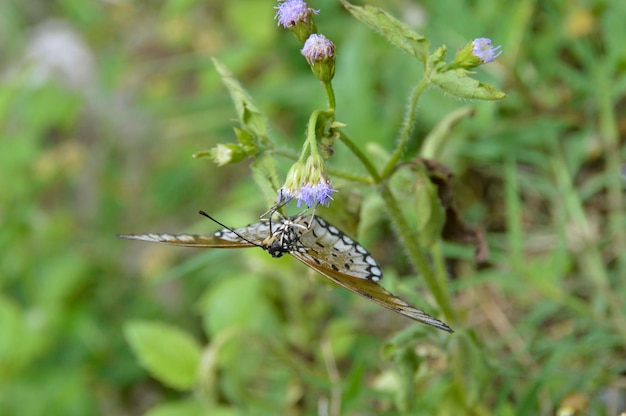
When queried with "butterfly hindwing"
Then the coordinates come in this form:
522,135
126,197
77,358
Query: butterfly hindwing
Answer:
329,248
375,292
330,252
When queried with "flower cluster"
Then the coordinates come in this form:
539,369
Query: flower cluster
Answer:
319,52
308,184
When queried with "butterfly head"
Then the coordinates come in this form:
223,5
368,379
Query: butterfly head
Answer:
282,241
275,245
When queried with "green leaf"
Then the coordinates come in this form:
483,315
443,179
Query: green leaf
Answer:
241,302
423,211
437,138
429,211
190,408
396,32
12,337
457,83
247,111
169,354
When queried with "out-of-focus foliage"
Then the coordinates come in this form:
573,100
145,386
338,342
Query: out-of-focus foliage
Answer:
103,103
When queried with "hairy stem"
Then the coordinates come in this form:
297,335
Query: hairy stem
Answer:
407,128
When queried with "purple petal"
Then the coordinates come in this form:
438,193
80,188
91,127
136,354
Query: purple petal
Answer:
484,51
290,12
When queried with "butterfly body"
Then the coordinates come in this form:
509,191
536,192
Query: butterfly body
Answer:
316,243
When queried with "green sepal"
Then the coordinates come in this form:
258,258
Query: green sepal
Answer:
247,141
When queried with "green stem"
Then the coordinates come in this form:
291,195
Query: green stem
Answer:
364,179
289,154
417,256
407,127
361,156
311,138
330,95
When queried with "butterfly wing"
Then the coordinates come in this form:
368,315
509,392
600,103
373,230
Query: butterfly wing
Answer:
332,253
250,236
187,240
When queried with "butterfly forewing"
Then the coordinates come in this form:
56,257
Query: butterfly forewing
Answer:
253,233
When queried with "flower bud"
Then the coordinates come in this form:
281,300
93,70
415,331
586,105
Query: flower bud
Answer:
477,52
224,154
320,54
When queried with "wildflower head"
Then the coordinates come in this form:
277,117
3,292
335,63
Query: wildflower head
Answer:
320,54
477,52
483,50
224,154
296,16
319,193
291,188
308,184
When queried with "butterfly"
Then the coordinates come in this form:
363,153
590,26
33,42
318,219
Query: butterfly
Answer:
316,243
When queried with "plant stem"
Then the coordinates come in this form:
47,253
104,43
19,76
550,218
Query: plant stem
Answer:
330,95
407,127
357,152
311,138
363,179
416,255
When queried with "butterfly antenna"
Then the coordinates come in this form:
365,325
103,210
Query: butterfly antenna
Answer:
204,214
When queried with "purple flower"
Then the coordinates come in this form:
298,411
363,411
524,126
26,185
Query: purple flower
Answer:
290,12
307,183
285,195
324,192
317,49
482,49
308,194
319,193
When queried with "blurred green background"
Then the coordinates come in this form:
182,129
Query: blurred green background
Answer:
102,104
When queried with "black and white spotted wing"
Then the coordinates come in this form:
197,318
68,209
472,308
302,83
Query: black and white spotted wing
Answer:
253,233
329,251
316,243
